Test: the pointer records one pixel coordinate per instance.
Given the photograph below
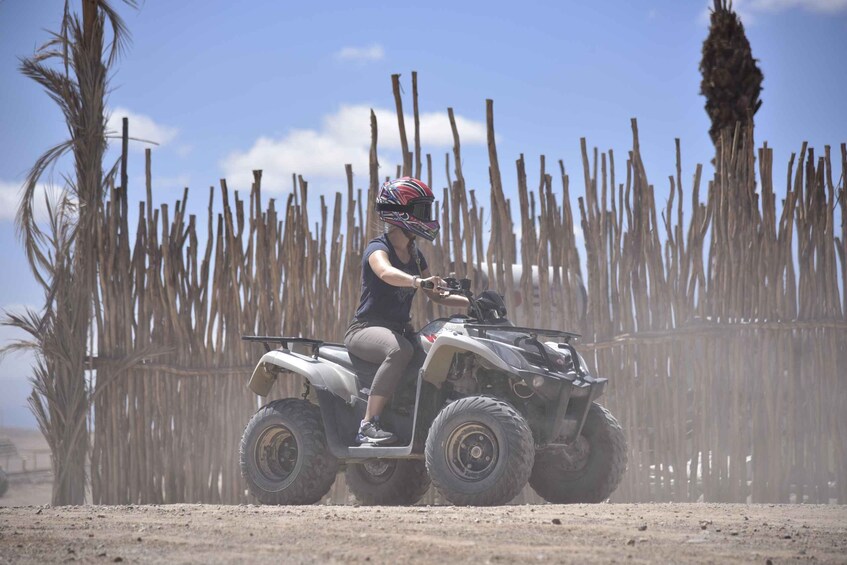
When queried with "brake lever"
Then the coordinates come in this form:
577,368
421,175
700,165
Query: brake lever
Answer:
450,290
429,285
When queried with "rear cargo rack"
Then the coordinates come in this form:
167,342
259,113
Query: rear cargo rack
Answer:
284,341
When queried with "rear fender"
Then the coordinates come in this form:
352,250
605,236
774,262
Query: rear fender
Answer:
440,356
320,373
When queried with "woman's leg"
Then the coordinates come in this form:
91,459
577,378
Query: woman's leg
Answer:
376,404
392,351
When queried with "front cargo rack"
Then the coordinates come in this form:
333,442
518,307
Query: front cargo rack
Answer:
483,328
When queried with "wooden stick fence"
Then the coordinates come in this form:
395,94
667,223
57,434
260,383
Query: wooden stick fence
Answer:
725,335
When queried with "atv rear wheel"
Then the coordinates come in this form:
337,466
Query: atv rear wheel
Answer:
589,469
387,481
284,456
479,452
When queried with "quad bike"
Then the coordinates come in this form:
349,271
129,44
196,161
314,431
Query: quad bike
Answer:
485,408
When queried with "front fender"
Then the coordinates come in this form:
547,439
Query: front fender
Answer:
437,363
320,373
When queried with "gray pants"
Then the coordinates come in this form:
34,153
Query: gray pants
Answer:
384,347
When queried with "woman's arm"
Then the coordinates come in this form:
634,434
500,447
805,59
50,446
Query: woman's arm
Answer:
453,301
378,260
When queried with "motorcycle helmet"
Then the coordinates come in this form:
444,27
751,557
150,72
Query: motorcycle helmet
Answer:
407,203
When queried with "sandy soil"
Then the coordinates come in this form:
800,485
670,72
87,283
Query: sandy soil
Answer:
661,533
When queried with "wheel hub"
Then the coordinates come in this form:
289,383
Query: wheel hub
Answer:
276,453
472,452
376,467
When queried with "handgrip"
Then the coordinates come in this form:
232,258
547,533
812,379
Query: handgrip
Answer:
429,285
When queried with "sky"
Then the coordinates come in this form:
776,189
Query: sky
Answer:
227,87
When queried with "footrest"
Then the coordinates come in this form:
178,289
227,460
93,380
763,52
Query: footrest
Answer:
374,451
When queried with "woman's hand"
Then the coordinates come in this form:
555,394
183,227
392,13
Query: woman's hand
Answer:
442,296
429,284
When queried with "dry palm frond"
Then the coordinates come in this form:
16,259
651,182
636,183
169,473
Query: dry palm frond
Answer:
732,81
29,321
63,257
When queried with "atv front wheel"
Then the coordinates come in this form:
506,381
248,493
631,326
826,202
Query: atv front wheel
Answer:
479,452
284,456
387,481
587,470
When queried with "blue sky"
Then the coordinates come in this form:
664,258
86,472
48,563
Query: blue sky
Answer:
226,87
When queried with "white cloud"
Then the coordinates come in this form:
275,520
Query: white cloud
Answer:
373,52
140,127
748,10
343,137
10,199
819,6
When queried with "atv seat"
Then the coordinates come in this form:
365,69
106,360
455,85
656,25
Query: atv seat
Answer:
338,354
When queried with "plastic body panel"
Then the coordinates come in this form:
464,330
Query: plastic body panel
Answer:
320,373
446,345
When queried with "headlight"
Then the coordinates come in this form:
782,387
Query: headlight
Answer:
562,358
561,362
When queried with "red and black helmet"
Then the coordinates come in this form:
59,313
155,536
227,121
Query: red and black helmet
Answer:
407,203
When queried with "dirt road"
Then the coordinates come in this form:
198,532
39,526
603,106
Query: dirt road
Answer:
632,533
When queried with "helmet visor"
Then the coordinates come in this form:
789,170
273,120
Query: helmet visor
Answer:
420,209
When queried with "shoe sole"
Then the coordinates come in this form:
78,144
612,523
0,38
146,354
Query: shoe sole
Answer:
368,441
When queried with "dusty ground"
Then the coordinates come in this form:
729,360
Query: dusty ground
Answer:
631,533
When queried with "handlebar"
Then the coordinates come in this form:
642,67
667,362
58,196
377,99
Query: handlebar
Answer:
450,289
452,286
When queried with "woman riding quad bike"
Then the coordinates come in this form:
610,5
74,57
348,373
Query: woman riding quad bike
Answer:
393,269
471,402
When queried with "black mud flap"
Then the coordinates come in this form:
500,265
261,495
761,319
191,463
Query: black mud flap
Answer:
341,420
584,393
577,398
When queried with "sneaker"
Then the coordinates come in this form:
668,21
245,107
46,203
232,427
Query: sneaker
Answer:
371,433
